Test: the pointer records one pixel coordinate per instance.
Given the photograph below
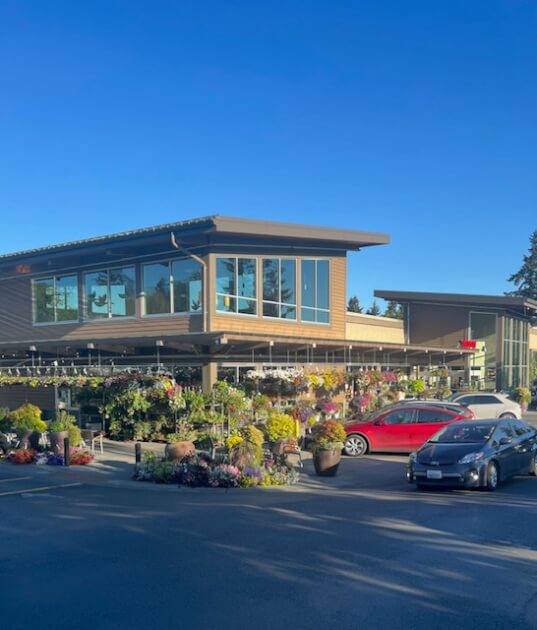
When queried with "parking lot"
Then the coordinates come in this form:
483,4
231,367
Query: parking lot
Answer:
361,550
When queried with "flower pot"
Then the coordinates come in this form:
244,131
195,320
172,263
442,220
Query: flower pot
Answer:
57,442
326,462
175,451
524,407
33,439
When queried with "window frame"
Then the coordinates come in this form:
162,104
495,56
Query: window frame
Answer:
279,303
171,313
235,296
315,308
109,301
54,279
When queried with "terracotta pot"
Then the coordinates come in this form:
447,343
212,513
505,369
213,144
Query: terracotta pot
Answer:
56,442
175,451
326,462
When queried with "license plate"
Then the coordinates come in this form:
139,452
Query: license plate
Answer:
434,474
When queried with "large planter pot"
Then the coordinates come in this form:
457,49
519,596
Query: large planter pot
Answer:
57,442
175,451
326,462
33,439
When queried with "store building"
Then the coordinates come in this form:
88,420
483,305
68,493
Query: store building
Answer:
208,296
498,327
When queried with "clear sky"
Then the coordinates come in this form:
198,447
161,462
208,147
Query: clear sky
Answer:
416,118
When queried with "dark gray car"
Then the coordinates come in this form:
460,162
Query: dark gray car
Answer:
480,453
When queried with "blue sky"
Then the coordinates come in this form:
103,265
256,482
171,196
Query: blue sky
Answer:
415,118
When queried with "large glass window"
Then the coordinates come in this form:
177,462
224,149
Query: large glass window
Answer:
56,299
110,293
515,353
279,288
173,287
236,285
315,280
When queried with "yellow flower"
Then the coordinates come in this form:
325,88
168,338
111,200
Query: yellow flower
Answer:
233,441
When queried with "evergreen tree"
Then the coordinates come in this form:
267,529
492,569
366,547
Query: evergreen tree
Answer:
394,310
525,278
354,305
373,309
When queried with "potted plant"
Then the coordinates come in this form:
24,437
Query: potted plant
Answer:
26,422
181,443
522,396
326,446
59,429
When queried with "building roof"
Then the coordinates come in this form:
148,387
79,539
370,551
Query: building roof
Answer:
217,224
504,302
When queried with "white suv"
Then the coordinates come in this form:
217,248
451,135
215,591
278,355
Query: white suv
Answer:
489,405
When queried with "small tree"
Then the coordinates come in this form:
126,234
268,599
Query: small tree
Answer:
525,278
394,310
373,309
354,305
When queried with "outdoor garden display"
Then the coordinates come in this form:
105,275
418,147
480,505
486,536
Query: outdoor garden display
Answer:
328,440
63,427
79,457
26,422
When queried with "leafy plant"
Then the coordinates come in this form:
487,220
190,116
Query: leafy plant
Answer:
27,418
521,395
184,433
328,435
164,472
63,422
5,423
280,425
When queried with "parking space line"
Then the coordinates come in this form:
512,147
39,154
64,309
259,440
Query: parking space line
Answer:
14,479
41,489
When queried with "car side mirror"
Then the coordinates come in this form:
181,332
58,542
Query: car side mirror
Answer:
505,440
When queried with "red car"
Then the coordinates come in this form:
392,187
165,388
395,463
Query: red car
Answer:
402,427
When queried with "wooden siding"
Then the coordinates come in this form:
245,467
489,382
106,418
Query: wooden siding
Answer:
258,325
437,325
370,328
16,323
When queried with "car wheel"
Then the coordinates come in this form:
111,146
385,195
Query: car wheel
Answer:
508,416
493,476
533,467
355,446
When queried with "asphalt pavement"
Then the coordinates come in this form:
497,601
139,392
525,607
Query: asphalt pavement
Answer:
362,550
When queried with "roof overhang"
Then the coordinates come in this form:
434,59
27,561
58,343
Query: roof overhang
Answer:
195,233
522,305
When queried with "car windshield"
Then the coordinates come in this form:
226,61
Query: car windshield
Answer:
458,433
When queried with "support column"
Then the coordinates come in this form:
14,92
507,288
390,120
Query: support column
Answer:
209,376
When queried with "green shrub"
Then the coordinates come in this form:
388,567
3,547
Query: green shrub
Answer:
63,422
245,454
75,436
163,472
280,426
27,418
252,434
5,422
521,395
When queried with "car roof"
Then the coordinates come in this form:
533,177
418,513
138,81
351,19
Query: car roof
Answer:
474,423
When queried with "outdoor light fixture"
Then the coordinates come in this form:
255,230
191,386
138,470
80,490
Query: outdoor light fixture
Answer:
90,346
32,349
159,343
